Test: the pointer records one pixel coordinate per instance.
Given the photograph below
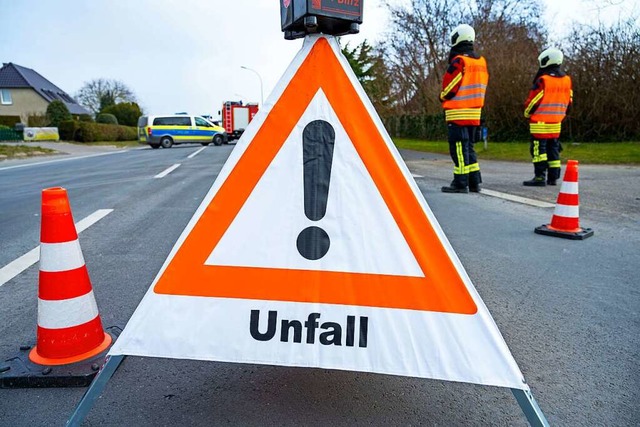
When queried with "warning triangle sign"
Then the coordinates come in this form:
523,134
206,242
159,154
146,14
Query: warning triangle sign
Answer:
315,247
319,92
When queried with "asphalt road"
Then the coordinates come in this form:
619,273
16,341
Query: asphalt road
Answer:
568,309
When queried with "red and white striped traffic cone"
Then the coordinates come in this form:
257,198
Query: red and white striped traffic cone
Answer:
565,221
69,325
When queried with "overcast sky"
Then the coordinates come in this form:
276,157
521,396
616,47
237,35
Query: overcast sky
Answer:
179,55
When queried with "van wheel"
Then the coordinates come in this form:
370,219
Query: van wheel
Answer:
205,143
217,140
154,146
166,142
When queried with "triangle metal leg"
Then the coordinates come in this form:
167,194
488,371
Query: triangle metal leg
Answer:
530,408
94,391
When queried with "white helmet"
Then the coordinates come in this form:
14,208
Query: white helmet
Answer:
462,33
551,56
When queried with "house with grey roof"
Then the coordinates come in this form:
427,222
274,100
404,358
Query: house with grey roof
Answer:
24,92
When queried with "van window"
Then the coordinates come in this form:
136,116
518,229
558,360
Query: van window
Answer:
142,121
172,121
202,122
182,121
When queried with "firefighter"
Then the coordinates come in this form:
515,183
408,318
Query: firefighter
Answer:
545,108
463,90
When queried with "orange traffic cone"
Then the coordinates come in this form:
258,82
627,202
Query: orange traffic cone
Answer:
71,344
565,221
69,325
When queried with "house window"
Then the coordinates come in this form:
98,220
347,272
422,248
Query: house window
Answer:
5,97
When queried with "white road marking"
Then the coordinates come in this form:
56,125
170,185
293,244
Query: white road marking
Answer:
192,155
517,199
416,176
66,159
167,171
19,265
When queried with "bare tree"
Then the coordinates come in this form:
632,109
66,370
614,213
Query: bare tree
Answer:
416,50
98,94
604,63
510,34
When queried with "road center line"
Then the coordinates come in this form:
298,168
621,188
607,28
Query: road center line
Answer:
19,265
517,199
167,171
192,155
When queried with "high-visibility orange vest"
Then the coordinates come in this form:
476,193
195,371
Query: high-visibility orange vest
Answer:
466,106
546,121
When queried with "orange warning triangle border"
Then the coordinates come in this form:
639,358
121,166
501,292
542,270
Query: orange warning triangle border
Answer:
442,289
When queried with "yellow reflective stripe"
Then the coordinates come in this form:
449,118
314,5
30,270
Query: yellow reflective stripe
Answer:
543,157
460,169
454,82
190,138
527,111
545,127
163,127
536,152
554,163
474,167
463,114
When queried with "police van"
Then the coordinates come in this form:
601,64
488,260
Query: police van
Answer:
165,131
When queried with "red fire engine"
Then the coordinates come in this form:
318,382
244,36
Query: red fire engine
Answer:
236,116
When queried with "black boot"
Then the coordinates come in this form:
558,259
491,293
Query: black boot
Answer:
474,181
537,181
454,188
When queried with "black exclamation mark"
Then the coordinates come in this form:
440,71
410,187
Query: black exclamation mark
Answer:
317,144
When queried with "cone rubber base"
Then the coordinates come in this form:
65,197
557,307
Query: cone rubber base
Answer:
21,372
49,361
582,234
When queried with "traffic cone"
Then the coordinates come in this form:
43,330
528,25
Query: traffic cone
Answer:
69,325
565,221
71,344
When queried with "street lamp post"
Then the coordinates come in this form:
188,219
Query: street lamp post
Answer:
257,74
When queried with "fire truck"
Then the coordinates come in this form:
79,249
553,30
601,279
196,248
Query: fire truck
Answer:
236,116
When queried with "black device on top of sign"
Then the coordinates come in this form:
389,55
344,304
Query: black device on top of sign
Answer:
334,17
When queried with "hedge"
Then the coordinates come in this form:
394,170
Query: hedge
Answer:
431,128
10,120
89,132
108,119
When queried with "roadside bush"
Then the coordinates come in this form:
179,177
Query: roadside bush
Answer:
10,120
38,120
86,118
428,127
67,130
127,113
57,112
107,119
90,132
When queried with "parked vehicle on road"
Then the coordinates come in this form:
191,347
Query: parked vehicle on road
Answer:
236,116
165,131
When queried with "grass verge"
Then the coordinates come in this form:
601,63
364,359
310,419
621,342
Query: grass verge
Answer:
18,151
611,153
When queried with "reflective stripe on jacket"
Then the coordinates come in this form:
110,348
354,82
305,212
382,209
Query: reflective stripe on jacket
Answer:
466,106
548,108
